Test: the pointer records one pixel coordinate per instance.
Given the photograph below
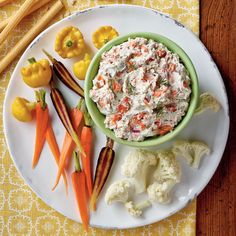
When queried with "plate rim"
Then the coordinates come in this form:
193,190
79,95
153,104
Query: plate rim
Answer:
192,196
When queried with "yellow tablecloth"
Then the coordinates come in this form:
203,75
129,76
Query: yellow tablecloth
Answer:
21,211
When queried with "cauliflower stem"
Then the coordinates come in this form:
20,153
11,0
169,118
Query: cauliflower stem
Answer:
136,210
207,101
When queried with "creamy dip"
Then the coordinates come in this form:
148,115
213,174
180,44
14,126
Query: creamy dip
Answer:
142,88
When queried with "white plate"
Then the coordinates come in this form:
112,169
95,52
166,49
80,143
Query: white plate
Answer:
209,127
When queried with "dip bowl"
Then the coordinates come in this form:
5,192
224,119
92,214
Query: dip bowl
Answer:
98,117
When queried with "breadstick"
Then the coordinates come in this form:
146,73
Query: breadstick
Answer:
30,35
14,21
38,5
4,2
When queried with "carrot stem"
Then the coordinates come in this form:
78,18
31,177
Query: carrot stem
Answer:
110,143
80,104
41,98
87,118
50,57
76,160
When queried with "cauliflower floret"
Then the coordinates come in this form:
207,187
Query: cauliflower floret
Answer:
207,101
136,210
118,192
191,151
167,174
200,149
160,191
183,148
168,167
136,166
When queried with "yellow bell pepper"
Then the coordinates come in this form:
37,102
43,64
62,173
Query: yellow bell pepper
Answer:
69,42
22,109
103,35
80,68
37,74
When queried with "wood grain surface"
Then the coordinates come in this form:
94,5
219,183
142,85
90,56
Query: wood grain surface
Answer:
216,211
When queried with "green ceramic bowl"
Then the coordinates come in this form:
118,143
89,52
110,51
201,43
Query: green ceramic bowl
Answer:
98,118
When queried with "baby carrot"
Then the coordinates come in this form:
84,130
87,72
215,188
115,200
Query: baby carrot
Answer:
86,142
76,116
104,164
42,116
79,186
62,111
68,144
52,142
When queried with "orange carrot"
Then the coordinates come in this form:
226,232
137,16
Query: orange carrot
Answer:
68,143
68,150
86,142
76,118
52,142
42,116
79,186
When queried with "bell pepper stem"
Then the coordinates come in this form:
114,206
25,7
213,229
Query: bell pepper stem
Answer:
32,60
69,43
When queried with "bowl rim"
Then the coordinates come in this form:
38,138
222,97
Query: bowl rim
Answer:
96,115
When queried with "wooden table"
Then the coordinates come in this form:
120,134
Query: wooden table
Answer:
216,211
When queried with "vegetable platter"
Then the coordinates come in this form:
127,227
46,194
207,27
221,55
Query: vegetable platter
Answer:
209,127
